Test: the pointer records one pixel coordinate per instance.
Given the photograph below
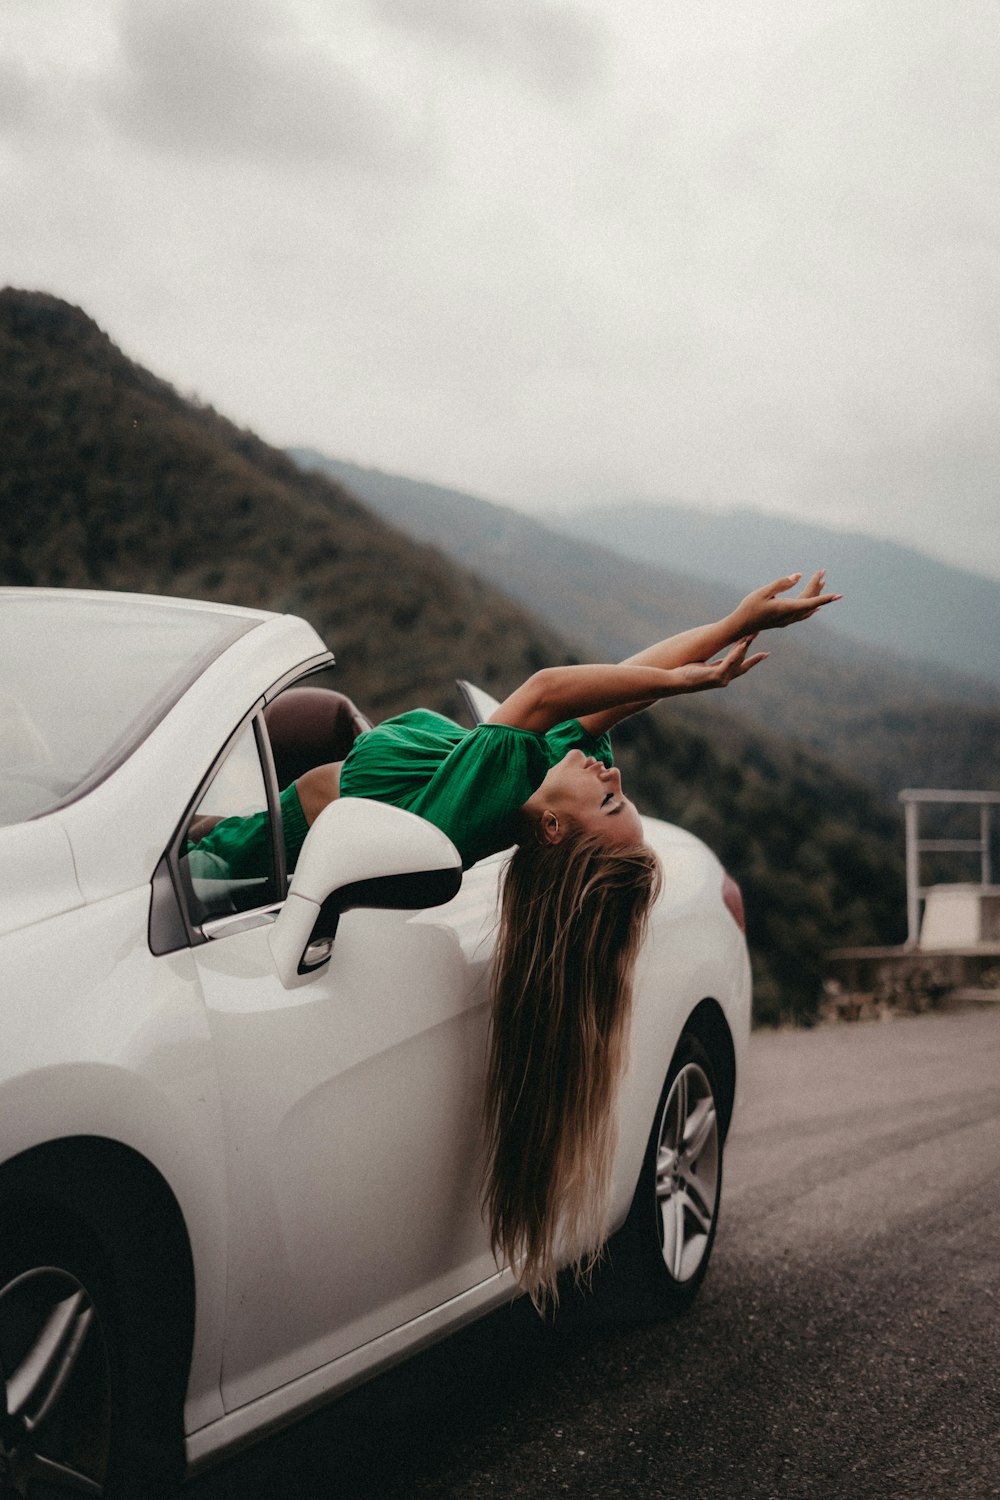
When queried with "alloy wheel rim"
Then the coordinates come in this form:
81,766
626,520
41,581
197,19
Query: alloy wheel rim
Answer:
55,1388
687,1172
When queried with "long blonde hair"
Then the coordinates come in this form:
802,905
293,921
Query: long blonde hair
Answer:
571,921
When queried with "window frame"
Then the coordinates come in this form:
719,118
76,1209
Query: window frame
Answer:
171,927
172,924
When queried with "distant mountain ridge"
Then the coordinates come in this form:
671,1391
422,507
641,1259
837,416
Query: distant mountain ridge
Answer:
880,715
897,599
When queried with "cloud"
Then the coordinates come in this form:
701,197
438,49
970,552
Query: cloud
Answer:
210,79
16,96
742,254
557,51
41,107
935,488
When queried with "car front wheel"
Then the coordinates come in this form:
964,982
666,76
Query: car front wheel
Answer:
77,1406
659,1257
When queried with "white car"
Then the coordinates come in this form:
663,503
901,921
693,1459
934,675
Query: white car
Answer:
240,1157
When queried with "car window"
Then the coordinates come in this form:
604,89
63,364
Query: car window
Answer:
227,855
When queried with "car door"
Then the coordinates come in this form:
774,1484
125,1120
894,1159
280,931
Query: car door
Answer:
351,1104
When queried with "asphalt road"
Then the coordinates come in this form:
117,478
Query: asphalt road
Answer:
845,1345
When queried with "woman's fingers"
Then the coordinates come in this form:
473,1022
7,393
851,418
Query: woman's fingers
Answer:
779,586
737,651
752,661
806,603
818,601
720,673
815,585
741,662
736,662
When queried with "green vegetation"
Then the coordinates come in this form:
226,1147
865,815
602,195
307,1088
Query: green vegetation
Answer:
109,479
818,856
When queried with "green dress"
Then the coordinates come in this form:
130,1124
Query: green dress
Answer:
470,783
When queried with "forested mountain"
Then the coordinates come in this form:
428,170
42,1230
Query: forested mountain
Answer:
881,716
109,479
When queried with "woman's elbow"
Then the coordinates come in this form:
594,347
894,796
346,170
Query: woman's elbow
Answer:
547,696
541,687
530,707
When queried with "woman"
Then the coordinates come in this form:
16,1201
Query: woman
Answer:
419,759
579,886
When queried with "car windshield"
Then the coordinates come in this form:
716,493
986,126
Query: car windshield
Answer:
84,680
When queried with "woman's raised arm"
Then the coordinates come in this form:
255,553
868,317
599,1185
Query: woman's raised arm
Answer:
600,696
764,609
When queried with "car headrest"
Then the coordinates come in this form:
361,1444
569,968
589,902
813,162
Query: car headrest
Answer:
309,726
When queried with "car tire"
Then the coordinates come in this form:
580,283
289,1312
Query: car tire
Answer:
83,1403
658,1259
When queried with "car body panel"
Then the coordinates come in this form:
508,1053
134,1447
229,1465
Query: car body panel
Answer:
323,1143
37,874
708,947
352,1125
248,1424
116,1045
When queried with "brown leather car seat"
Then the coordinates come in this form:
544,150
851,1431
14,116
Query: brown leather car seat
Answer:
309,726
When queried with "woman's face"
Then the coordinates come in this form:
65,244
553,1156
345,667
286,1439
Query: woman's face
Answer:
586,793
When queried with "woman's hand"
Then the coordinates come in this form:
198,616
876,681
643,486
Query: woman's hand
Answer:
698,676
765,610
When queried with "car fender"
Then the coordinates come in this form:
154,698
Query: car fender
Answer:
118,1047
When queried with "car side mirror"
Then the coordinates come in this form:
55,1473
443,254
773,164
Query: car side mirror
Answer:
358,853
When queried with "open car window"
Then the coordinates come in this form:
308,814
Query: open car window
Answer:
227,854
224,861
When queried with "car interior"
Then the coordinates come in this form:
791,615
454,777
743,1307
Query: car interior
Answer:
308,726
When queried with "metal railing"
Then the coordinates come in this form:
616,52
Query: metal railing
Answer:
915,845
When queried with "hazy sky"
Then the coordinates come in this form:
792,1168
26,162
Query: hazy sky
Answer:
725,251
